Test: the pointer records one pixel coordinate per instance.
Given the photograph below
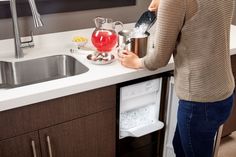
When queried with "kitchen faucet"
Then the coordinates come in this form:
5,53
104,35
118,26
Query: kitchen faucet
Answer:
17,39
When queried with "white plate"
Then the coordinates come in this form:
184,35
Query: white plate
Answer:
101,59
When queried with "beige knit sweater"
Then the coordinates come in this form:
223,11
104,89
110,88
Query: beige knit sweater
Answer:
196,32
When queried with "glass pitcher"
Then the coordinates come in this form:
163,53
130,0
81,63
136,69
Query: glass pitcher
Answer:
104,37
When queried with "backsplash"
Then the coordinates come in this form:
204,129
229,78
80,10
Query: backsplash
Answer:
60,6
76,20
73,20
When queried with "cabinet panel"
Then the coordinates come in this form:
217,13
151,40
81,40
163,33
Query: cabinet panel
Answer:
20,146
146,151
233,63
91,136
44,114
230,124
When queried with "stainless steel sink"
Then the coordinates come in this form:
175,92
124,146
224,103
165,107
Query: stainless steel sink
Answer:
14,74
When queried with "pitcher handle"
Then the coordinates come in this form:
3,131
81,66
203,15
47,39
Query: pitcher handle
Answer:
118,23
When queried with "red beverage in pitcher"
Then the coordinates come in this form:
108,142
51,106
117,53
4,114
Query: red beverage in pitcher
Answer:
104,40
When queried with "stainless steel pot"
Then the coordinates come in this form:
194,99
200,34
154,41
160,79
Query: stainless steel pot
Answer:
137,44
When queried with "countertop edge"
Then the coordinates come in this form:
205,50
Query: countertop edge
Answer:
50,94
23,96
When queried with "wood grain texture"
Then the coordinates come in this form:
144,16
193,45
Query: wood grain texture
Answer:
20,146
90,136
44,114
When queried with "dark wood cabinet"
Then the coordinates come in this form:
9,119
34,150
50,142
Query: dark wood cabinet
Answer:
82,124
91,136
230,124
21,146
56,111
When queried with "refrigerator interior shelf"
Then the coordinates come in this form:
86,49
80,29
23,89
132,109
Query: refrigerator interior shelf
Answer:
142,130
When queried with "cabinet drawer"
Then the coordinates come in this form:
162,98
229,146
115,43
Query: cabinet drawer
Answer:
44,114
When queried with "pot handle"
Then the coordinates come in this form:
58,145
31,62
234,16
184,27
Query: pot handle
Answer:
123,46
118,23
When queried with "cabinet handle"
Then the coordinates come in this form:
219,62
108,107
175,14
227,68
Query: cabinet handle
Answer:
33,148
49,146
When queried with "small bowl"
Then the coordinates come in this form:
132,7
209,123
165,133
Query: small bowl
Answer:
80,41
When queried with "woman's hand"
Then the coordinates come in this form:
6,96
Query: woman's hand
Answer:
154,5
130,60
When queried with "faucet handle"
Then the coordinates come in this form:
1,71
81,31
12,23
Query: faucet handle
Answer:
29,43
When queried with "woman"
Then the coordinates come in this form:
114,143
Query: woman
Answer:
196,32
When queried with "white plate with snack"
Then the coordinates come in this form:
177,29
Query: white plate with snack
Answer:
101,58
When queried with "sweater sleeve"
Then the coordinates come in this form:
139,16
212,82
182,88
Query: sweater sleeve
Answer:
170,18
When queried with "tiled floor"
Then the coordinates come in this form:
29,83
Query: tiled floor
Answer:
228,146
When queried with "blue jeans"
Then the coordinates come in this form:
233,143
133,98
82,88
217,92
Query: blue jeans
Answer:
197,124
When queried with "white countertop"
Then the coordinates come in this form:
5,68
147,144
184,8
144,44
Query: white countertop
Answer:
60,43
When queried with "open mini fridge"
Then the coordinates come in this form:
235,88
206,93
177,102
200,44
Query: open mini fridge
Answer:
139,108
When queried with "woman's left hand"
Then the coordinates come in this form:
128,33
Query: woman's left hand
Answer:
130,60
154,5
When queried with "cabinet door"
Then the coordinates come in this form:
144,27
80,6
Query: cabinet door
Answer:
21,146
90,136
